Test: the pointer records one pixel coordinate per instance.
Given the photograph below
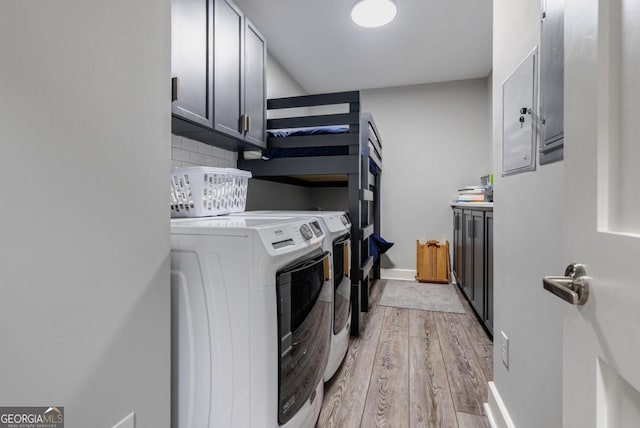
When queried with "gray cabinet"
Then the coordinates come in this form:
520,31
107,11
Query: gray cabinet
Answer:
255,49
218,75
473,259
228,68
476,244
192,60
467,254
488,228
457,243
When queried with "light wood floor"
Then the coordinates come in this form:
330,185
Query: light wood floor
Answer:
411,368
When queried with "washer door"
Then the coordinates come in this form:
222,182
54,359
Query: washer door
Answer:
341,282
304,329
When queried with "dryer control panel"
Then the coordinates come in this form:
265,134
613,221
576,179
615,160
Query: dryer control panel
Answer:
337,222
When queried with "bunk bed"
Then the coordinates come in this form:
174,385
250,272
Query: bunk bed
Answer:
337,149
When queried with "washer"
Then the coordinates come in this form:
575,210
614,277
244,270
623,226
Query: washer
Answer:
251,318
336,227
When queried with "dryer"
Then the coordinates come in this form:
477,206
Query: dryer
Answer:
251,318
336,227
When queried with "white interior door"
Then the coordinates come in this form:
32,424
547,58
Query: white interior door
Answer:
601,355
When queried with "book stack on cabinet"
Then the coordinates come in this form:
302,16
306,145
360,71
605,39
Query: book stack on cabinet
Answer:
470,194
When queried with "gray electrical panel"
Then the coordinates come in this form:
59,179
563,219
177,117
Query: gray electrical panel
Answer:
519,118
551,81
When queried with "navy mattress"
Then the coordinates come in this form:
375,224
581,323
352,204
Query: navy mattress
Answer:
306,151
272,153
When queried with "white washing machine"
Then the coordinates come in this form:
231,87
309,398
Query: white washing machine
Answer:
336,227
251,318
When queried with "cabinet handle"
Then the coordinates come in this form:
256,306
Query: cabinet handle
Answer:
174,89
248,123
471,229
244,123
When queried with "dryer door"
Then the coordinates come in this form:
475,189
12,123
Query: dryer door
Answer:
341,282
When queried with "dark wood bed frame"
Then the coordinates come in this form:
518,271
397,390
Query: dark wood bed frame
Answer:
350,170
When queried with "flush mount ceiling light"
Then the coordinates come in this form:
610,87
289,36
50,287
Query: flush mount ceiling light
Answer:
373,13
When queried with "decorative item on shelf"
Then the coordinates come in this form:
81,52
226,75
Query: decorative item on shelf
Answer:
488,194
487,182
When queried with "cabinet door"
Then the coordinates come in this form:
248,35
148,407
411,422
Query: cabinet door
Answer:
488,316
255,56
228,68
457,244
192,60
467,260
552,81
477,234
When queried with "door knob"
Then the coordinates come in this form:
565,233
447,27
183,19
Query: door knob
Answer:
573,287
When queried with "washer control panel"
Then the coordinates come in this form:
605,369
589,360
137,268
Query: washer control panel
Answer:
290,235
317,230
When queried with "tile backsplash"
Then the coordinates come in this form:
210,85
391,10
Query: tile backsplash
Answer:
186,152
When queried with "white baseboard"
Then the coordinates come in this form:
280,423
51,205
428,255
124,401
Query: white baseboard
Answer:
401,274
487,411
496,410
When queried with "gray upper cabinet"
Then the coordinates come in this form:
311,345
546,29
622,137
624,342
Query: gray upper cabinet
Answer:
191,60
255,50
218,75
229,68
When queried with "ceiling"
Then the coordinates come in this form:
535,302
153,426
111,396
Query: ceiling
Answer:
429,41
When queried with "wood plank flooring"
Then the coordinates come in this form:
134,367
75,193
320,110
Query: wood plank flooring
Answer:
387,403
411,368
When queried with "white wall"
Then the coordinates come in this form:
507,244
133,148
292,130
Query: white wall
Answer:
528,239
84,254
268,195
435,140
279,82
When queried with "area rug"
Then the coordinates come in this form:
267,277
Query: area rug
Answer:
423,296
